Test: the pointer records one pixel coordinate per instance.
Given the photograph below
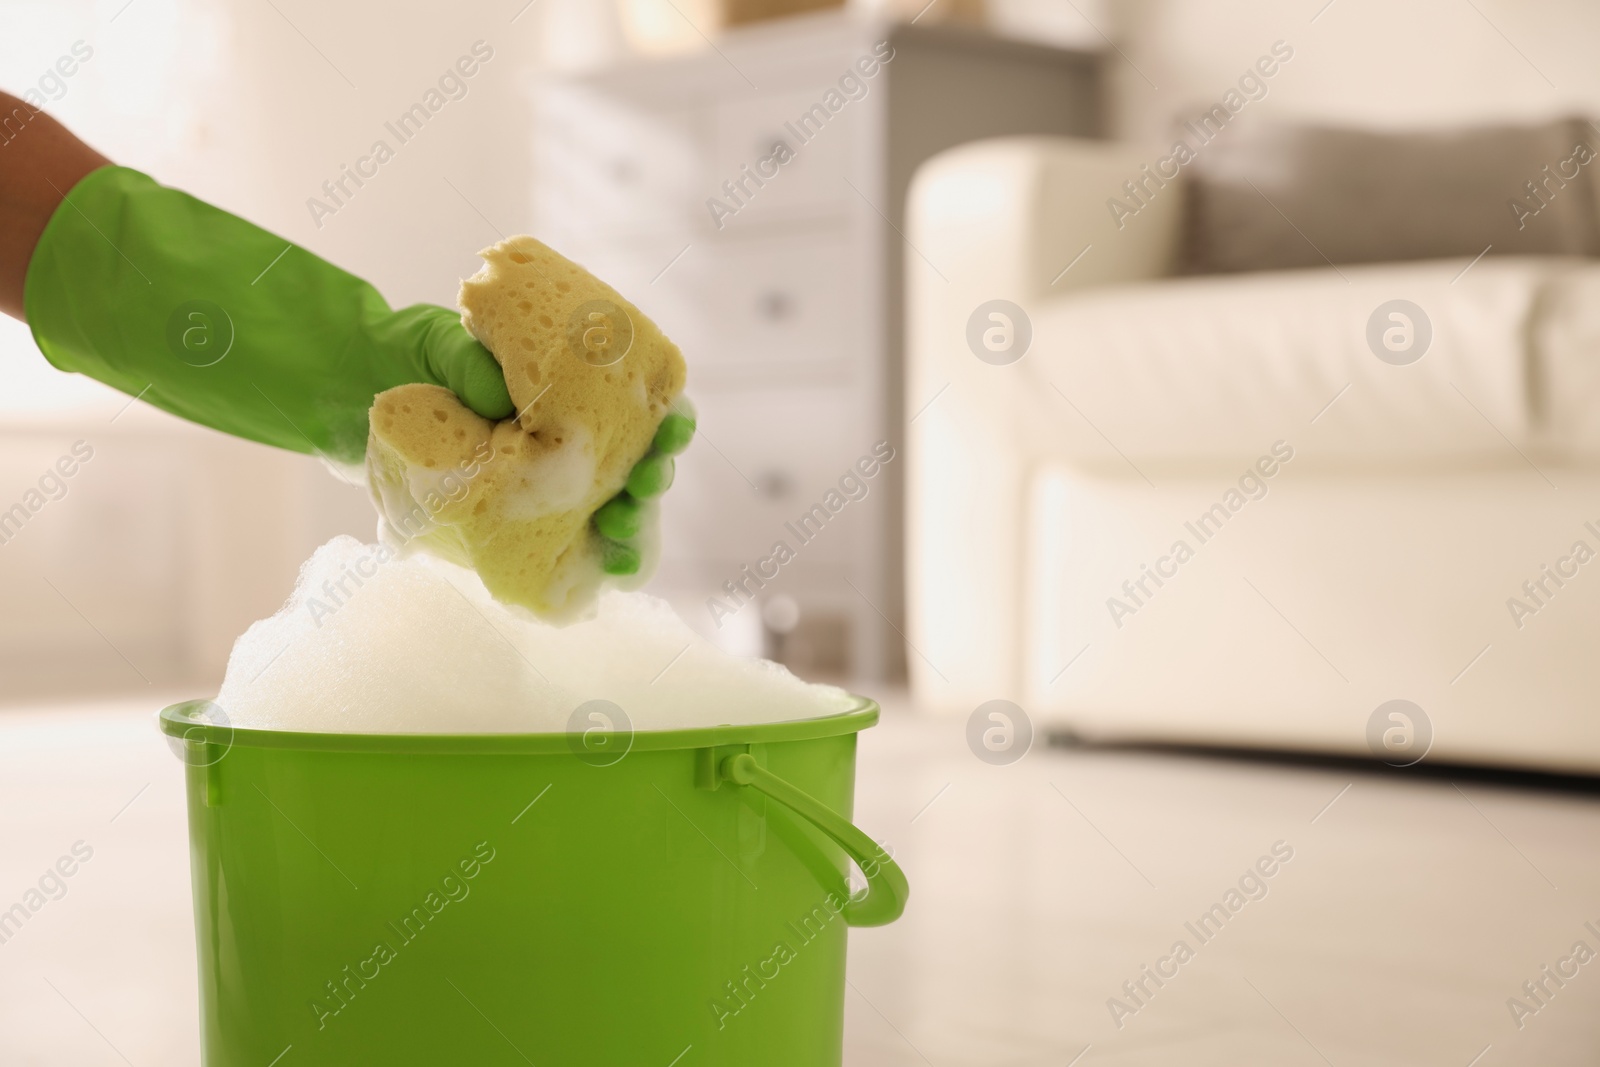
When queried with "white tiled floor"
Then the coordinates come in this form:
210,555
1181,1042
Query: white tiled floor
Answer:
1410,912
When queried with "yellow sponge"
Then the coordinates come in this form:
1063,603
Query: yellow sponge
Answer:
591,379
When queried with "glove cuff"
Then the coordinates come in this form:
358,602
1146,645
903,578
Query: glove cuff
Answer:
56,276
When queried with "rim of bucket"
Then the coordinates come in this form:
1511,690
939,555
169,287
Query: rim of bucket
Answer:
186,720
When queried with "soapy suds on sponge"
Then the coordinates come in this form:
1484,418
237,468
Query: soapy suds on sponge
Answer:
375,643
591,379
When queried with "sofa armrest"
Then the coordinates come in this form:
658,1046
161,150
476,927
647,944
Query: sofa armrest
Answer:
1013,213
1017,219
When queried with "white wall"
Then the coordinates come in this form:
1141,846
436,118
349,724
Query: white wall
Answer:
1366,62
406,230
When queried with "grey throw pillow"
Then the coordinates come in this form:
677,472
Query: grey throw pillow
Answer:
1271,197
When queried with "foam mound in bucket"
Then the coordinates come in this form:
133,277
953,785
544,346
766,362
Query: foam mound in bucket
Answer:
370,642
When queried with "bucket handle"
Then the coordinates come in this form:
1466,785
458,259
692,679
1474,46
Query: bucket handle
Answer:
887,888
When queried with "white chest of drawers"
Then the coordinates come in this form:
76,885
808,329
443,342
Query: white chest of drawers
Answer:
778,271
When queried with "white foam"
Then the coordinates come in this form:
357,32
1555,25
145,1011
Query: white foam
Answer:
372,643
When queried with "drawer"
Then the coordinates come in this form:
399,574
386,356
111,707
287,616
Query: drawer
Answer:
604,166
790,304
744,132
763,459
743,311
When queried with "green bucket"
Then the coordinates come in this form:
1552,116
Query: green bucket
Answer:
660,898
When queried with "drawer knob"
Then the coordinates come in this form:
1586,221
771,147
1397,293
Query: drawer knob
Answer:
775,305
774,484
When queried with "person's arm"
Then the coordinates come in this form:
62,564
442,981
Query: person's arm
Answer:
40,160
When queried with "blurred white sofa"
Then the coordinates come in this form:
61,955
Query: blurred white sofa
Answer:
1384,556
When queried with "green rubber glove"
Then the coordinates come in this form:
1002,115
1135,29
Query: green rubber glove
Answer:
218,321
621,519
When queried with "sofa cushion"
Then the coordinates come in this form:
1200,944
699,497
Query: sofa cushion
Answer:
1360,590
1185,371
1269,196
